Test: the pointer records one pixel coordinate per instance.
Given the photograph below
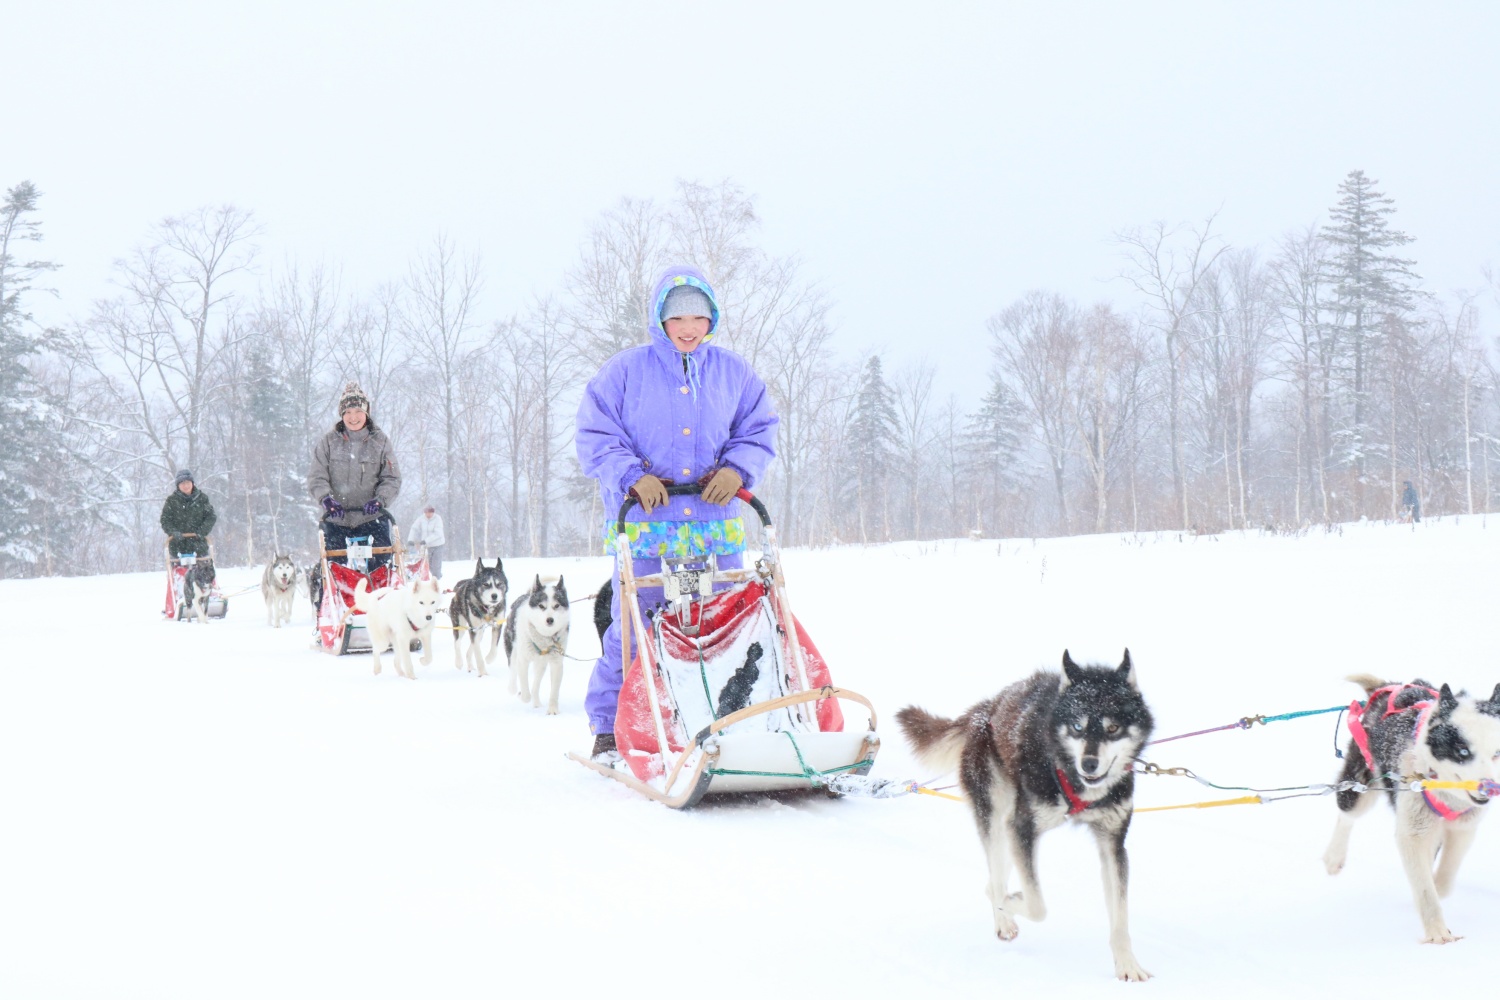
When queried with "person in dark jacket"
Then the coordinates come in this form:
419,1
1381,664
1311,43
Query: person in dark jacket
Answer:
354,476
187,517
1411,506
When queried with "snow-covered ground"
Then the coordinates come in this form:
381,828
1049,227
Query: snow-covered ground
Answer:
220,811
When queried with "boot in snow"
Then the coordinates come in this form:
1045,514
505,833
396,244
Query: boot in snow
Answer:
604,749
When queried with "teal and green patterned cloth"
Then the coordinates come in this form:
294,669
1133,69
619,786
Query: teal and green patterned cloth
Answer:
652,539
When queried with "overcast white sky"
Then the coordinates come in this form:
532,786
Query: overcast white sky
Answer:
929,162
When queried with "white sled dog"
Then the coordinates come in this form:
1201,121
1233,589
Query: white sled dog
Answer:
278,585
536,636
1043,751
478,604
1406,732
397,616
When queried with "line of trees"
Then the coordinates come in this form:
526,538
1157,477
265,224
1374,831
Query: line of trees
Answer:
1230,387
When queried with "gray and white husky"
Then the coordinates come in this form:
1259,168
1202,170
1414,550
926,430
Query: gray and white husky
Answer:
1404,733
278,585
536,637
1045,750
478,604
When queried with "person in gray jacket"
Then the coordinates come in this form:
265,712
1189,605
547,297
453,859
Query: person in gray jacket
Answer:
354,476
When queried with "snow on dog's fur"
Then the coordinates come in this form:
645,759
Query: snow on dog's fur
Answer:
536,636
1045,750
1412,732
278,585
478,604
197,585
396,616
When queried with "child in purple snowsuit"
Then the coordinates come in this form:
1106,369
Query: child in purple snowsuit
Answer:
676,410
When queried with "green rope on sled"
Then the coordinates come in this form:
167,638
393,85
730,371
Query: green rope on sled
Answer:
814,777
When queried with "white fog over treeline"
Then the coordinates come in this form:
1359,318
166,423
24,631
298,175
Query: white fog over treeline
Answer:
1215,386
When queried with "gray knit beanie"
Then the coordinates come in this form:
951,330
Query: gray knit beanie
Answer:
183,476
685,300
353,398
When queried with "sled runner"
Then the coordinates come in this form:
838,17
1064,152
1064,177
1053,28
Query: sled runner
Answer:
179,606
725,692
341,629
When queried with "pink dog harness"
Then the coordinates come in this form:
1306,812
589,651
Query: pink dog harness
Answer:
1424,709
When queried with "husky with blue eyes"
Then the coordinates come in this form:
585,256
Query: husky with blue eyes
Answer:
1402,733
1044,751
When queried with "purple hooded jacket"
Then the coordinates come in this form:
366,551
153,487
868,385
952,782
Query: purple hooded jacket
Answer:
652,409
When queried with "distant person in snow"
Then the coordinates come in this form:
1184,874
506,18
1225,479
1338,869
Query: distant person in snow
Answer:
675,410
428,532
187,517
1411,507
354,476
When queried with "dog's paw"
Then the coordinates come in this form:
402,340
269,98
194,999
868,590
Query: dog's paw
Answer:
1333,861
1129,970
1006,928
551,709
1442,936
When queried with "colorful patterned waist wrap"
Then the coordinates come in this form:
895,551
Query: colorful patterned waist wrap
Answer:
653,539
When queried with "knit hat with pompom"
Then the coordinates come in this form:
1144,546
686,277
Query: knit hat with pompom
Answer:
353,398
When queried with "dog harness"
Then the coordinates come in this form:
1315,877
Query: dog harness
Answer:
1390,691
1424,711
1076,805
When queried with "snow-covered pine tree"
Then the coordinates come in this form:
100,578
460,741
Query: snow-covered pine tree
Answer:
1367,285
991,444
872,431
23,408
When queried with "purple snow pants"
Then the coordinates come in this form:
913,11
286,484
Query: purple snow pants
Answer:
603,696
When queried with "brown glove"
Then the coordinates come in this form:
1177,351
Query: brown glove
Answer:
650,492
722,486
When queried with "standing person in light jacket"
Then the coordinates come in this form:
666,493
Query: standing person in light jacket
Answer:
354,476
678,409
427,531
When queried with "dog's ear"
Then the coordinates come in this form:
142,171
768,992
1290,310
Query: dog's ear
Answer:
478,566
1446,702
536,584
1071,672
500,568
1127,671
1495,698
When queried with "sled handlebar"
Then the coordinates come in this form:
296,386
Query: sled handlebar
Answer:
694,489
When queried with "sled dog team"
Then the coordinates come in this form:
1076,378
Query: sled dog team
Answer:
534,633
1051,749
1055,748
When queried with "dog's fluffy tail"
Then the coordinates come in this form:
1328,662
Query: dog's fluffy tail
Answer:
1369,682
937,742
362,599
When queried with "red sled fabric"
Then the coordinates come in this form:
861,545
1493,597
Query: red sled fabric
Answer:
345,579
724,617
339,598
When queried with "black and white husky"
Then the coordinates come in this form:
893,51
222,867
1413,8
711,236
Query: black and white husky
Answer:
1408,732
1045,750
198,586
278,585
478,604
536,637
